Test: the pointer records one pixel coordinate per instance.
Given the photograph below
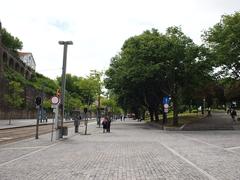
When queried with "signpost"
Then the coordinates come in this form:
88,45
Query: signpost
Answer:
55,100
55,104
38,102
86,120
165,102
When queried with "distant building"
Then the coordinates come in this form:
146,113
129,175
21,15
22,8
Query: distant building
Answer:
23,64
28,59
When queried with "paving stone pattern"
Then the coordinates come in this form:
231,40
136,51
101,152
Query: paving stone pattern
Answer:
132,150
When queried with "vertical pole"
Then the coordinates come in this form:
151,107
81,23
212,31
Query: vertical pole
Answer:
86,122
203,106
56,123
52,130
65,43
98,110
1,51
99,104
41,120
0,32
38,113
63,87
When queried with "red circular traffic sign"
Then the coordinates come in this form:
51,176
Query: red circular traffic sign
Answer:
55,100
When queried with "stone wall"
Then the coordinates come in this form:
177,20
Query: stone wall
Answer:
28,111
17,114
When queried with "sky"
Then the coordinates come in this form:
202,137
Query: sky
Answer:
98,28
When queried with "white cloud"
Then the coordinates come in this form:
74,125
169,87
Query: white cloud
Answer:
99,28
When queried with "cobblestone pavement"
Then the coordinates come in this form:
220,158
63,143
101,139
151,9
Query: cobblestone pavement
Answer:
217,121
132,150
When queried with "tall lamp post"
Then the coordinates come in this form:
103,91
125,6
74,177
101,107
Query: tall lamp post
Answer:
98,76
1,55
65,44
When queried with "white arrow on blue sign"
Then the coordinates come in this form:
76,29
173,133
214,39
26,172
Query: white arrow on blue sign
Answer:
165,100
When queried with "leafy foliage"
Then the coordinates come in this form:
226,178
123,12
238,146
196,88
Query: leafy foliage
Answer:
81,91
11,42
153,65
14,97
223,42
44,84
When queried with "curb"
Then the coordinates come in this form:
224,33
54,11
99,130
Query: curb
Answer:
31,125
169,128
43,124
166,128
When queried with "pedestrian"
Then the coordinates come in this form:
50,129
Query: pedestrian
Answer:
77,118
104,124
233,115
209,111
108,124
228,110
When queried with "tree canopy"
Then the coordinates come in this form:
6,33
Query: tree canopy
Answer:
11,42
224,44
153,65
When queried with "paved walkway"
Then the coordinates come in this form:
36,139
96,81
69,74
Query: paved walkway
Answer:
133,150
217,121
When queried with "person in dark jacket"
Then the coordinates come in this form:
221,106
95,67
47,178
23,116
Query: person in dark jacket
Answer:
105,124
108,124
233,115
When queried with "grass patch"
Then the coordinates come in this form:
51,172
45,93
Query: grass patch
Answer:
183,118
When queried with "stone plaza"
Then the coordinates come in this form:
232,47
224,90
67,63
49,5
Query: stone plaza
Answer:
132,150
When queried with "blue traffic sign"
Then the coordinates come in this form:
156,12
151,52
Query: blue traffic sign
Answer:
165,100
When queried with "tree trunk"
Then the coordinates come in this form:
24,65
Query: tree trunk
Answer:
175,110
151,115
190,108
143,115
156,115
137,115
10,118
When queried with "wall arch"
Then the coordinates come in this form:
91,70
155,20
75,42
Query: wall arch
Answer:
17,67
5,58
11,63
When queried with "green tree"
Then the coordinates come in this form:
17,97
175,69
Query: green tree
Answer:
133,74
223,41
111,103
81,92
14,99
11,42
153,65
44,84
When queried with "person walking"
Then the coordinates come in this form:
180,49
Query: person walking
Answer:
105,124
233,115
77,119
108,124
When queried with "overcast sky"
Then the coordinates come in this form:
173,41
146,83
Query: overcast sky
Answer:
98,28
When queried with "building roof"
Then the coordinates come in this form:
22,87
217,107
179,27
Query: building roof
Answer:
28,59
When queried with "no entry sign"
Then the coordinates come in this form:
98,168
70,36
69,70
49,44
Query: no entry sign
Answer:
55,100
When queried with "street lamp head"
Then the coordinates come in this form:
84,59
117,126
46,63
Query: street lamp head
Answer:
65,42
60,42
